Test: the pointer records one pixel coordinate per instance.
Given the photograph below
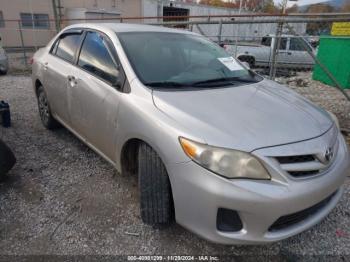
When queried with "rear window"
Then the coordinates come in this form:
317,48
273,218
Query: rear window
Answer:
66,47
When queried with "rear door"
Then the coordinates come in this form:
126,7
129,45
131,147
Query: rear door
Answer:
263,56
299,56
58,67
94,97
283,55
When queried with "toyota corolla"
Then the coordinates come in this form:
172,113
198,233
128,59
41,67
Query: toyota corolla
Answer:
227,154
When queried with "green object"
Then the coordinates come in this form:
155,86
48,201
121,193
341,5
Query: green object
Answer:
334,53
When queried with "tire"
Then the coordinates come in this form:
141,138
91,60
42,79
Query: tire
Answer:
156,202
7,159
44,110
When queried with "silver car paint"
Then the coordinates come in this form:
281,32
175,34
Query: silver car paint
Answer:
241,113
266,119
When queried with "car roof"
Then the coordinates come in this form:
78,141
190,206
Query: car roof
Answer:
125,27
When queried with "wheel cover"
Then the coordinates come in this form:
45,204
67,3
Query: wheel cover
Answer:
44,110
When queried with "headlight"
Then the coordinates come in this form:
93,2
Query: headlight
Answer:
225,162
334,118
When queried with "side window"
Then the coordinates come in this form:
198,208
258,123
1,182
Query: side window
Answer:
266,41
2,21
67,46
296,45
95,58
54,47
283,44
30,20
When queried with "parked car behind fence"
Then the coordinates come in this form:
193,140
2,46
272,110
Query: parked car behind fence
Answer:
291,53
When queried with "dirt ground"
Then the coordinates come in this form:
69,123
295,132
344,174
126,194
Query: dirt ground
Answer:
61,198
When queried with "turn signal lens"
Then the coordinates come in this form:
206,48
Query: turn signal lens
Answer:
188,147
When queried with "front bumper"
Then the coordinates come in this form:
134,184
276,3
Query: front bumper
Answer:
198,194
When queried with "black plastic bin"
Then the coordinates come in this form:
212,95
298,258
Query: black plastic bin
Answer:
5,114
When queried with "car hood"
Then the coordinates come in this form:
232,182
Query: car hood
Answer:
245,117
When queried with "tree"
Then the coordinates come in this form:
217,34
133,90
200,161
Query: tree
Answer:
293,9
319,28
269,7
212,2
346,6
265,6
320,8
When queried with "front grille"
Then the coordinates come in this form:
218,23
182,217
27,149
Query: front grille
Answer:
295,159
303,173
295,218
291,164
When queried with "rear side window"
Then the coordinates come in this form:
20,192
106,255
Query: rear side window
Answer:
297,46
66,47
95,58
283,44
266,41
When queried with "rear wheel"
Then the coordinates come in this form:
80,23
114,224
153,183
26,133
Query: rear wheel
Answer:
156,201
44,110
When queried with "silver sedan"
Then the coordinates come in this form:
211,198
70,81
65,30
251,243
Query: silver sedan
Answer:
231,156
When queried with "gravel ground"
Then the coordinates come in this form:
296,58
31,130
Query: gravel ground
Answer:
62,198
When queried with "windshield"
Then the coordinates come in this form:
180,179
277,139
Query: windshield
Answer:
182,60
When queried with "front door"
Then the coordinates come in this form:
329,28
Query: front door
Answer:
300,57
283,55
93,99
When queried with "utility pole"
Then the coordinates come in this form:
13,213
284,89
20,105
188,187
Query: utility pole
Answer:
57,24
277,42
237,26
59,14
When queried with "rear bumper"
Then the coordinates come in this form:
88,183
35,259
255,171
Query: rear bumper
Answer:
198,193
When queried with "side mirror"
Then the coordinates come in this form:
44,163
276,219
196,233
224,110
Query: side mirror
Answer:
246,64
117,83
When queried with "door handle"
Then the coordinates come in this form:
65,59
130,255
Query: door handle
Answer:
73,80
70,78
289,53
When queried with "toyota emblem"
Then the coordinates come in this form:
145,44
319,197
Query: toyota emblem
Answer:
328,156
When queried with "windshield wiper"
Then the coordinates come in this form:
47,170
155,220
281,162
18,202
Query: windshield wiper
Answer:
223,81
166,84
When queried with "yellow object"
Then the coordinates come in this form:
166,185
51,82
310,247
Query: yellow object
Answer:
341,28
188,147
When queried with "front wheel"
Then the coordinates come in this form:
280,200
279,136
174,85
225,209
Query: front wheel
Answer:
156,201
44,110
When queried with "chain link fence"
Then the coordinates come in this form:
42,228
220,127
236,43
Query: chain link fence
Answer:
281,48
20,41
